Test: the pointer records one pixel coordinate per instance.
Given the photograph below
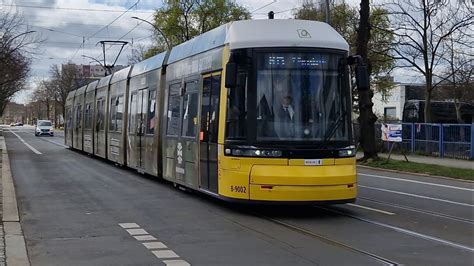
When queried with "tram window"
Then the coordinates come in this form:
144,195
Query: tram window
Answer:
100,114
119,115
69,117
133,113
113,108
150,129
190,110
78,116
86,116
237,109
173,112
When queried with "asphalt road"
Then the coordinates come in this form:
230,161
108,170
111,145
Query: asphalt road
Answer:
73,207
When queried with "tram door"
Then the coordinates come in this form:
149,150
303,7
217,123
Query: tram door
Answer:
209,130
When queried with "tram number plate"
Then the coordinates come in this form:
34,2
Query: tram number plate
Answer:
313,162
238,189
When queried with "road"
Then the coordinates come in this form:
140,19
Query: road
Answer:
78,210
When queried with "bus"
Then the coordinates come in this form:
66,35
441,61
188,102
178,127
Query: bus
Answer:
251,111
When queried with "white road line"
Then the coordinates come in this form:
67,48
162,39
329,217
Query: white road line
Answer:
26,144
145,238
370,209
154,245
419,196
165,254
176,263
135,232
129,225
418,182
158,249
55,143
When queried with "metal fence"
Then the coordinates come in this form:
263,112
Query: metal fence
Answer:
441,140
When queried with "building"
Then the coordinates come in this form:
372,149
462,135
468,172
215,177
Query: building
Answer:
391,107
14,113
91,71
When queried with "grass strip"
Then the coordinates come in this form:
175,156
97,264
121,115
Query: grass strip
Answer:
429,169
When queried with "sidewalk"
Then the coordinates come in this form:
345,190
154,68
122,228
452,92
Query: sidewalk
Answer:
463,164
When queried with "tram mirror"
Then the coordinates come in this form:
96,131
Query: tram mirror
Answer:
231,75
362,78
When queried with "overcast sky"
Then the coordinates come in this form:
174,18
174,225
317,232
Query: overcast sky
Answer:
65,24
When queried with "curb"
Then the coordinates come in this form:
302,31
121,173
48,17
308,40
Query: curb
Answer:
15,246
417,174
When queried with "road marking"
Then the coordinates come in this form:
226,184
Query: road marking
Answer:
419,196
55,143
154,245
145,238
402,230
419,182
129,225
135,232
370,209
176,263
160,250
26,144
165,254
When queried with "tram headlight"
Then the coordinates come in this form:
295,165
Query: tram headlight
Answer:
347,152
253,153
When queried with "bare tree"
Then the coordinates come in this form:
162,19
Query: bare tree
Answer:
63,80
16,46
422,29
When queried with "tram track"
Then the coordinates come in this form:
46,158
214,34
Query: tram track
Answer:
327,240
334,210
437,214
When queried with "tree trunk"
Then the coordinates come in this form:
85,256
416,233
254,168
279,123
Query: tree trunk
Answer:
427,110
367,117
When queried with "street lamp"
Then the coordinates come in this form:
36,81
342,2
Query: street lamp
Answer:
156,28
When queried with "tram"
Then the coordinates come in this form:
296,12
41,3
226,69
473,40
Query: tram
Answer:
256,110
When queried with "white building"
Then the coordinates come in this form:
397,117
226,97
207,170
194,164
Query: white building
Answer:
391,107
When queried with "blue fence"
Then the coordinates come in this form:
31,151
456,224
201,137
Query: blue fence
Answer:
441,140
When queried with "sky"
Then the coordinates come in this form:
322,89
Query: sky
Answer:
71,29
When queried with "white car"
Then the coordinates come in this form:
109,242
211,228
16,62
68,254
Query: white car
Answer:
44,127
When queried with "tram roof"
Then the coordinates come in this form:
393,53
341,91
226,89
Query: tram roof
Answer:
81,90
104,81
91,86
149,64
122,74
262,33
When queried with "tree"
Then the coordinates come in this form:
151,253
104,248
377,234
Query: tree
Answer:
181,20
16,46
62,81
344,19
422,29
366,117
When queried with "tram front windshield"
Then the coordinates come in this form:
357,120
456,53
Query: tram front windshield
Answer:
293,97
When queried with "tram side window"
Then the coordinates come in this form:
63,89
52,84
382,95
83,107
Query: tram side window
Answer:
100,114
88,117
173,112
113,114
133,113
69,118
119,115
150,128
190,110
78,116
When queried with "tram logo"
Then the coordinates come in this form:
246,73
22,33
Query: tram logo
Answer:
303,33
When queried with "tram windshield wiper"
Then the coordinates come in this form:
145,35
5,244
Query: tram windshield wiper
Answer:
332,130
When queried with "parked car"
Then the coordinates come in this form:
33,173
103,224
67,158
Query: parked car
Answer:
19,124
44,127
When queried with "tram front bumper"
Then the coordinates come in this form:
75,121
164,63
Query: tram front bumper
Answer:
303,183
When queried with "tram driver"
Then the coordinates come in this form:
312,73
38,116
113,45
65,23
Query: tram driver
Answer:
285,117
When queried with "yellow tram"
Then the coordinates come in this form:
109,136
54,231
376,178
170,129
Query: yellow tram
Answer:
256,110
